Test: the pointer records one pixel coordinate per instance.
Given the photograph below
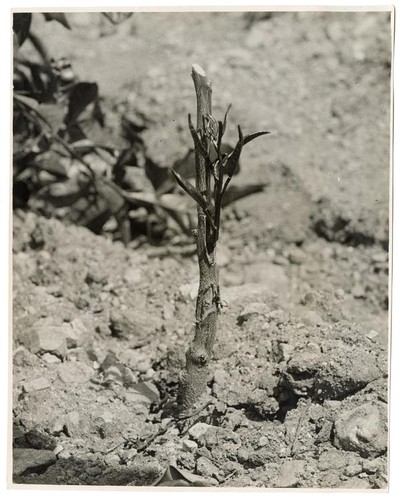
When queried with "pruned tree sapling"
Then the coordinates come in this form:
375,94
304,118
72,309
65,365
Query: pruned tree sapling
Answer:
214,170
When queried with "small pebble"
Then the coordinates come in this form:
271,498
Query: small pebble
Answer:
38,384
188,445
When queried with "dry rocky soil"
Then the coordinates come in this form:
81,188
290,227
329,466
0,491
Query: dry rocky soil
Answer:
298,387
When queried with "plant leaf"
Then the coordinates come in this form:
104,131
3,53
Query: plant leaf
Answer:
53,114
190,189
225,118
29,102
173,476
60,17
21,26
234,156
197,142
251,137
82,94
234,193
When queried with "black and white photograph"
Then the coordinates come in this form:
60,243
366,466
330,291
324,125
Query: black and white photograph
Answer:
201,242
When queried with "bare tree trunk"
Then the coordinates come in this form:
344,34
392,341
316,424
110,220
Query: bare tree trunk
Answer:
194,379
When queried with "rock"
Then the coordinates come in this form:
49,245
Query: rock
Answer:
281,351
50,359
189,445
358,292
74,372
311,318
372,334
252,309
380,257
221,377
373,466
38,384
296,256
76,334
143,392
332,459
352,470
263,441
329,479
133,276
280,260
133,324
38,439
290,474
199,430
356,483
47,338
206,468
96,275
29,459
72,423
264,405
242,455
333,374
268,382
362,429
22,357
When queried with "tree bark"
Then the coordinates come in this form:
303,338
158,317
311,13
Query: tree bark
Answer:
198,356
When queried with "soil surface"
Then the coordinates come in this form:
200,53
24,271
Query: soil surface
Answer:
298,388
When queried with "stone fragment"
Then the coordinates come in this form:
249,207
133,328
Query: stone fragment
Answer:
189,445
144,393
356,483
242,454
352,470
74,372
362,429
50,359
46,338
199,430
311,318
332,459
133,276
296,256
27,459
37,384
252,309
22,357
133,324
290,474
268,381
358,292
76,334
206,468
73,420
373,466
